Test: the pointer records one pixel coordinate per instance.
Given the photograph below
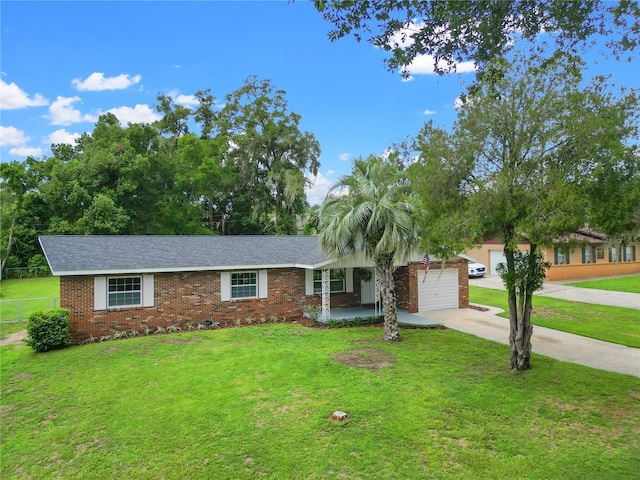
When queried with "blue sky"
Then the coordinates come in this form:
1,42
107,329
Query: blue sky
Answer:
64,63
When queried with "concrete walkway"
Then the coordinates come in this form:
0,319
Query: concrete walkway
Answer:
545,341
566,292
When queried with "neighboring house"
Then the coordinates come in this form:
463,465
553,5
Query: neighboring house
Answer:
583,254
116,283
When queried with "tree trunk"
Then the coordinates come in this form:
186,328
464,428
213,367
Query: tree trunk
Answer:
9,241
387,292
520,296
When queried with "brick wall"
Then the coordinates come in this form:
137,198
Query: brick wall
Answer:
193,297
189,297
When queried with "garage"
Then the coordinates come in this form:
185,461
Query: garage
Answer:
439,290
496,257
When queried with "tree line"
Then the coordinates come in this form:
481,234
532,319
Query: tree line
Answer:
239,169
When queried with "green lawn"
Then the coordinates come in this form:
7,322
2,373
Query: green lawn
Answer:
611,324
15,289
255,402
30,288
629,283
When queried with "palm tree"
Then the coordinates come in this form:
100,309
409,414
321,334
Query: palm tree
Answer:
368,210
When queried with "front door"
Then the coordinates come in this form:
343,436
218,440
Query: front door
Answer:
368,289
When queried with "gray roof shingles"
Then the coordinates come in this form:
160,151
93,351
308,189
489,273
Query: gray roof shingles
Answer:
93,254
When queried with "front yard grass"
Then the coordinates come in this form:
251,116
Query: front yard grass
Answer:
255,402
629,283
610,324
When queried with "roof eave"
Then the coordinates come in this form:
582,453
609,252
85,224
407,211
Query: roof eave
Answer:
134,271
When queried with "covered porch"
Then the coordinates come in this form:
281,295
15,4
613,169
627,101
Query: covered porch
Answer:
349,314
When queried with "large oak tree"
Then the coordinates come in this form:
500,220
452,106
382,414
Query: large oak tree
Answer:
531,153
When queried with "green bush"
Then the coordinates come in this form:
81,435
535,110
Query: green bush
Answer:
48,330
38,266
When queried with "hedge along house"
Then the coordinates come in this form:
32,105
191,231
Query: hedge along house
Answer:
118,283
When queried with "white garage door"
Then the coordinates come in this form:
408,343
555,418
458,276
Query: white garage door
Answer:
496,257
439,290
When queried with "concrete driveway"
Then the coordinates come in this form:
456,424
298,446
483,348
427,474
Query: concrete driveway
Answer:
546,341
566,292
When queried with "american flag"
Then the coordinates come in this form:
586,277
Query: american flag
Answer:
426,261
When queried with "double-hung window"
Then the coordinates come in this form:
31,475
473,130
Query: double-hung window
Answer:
561,256
336,280
629,253
124,291
244,285
588,255
614,255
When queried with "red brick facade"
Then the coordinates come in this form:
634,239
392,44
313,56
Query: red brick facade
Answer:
189,297
194,297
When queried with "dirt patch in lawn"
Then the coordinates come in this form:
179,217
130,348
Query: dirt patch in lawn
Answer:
365,358
14,338
549,313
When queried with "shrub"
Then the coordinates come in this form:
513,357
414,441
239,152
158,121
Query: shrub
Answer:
38,266
314,313
48,330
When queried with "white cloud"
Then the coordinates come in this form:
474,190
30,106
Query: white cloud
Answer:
97,82
138,114
61,136
61,112
458,103
320,185
428,112
11,136
404,37
425,65
345,157
13,97
186,100
26,151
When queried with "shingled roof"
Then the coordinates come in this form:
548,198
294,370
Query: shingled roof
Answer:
117,254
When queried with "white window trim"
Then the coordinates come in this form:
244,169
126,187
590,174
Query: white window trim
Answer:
310,281
262,289
344,282
129,305
101,292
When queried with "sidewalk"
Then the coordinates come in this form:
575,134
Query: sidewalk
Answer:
545,341
574,294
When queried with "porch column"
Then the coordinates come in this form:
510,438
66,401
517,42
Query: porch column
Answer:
326,295
376,296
